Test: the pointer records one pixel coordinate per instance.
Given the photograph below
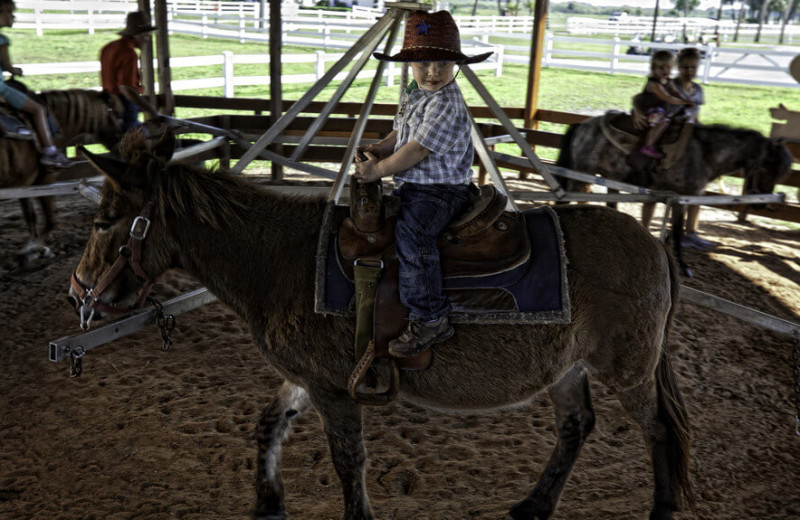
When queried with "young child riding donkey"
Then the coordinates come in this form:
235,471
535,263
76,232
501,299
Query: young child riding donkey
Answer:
429,153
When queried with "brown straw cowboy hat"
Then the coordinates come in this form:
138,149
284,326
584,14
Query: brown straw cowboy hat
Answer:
136,23
432,37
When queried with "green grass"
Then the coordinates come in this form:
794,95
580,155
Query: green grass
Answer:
560,89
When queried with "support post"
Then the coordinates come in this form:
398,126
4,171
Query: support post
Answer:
535,67
162,51
275,90
148,74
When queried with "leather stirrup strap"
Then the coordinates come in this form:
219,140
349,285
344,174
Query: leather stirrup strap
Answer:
366,273
376,399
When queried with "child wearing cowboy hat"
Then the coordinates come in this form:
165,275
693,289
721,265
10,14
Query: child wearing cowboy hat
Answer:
119,68
429,153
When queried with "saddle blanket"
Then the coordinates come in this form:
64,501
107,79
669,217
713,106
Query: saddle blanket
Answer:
12,127
536,291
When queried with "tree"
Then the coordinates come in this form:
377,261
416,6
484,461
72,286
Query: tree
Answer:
762,15
719,17
687,6
788,13
742,8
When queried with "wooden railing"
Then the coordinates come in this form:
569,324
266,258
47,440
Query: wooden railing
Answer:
344,116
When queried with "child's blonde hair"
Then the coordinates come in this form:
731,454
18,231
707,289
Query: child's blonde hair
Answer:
660,58
688,53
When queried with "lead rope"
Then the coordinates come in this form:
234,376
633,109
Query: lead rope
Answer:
165,322
796,371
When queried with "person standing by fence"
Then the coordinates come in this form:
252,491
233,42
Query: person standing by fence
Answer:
119,68
688,61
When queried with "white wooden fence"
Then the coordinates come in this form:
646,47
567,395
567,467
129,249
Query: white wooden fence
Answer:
694,27
239,21
228,81
753,66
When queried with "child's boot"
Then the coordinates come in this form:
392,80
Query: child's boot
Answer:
51,156
419,336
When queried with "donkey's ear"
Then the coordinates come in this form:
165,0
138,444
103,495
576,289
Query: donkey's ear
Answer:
163,149
114,169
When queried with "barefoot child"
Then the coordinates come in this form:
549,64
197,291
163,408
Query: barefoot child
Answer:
51,156
688,63
684,84
660,100
430,155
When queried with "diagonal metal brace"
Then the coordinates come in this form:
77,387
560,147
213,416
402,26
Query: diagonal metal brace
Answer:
377,30
498,112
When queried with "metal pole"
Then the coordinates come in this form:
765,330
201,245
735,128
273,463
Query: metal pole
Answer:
380,27
275,85
320,120
535,66
498,112
366,109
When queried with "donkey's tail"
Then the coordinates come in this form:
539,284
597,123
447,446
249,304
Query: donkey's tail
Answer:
671,409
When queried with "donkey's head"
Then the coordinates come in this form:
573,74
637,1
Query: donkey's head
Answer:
771,165
127,249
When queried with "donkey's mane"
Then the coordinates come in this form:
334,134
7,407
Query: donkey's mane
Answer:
219,199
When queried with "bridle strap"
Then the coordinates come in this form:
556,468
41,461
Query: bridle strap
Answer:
129,255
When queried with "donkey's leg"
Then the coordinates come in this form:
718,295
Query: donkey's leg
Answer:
29,214
658,408
48,211
341,417
273,426
574,421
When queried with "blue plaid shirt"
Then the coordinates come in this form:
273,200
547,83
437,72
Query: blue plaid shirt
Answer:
439,121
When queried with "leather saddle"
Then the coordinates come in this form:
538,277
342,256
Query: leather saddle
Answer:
484,240
13,125
619,130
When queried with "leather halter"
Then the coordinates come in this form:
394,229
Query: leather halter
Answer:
129,254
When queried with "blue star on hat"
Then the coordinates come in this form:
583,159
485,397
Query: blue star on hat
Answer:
423,27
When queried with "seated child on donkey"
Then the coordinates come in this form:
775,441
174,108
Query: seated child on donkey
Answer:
659,101
429,154
51,156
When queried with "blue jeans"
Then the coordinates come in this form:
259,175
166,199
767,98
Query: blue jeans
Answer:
425,212
130,114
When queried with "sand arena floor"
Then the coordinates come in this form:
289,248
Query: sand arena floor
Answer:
148,434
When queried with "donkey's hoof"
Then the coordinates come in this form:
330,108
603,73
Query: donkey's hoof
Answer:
530,510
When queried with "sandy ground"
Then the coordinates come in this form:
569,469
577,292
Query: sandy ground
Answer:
150,434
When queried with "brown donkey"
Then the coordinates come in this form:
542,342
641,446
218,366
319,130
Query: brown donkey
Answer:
256,250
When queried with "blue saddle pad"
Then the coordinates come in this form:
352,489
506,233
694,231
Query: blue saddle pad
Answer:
536,291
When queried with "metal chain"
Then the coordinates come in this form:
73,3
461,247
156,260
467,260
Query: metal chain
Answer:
165,322
796,371
75,355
